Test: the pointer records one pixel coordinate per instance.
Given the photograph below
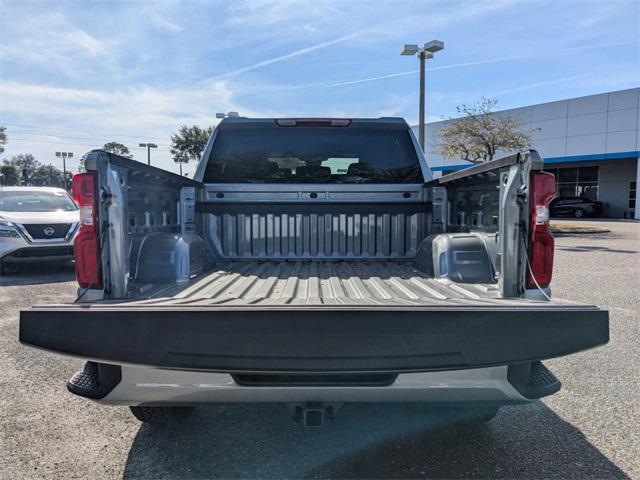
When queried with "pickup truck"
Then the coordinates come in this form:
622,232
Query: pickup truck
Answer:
313,262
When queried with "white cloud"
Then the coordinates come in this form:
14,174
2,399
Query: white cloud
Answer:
160,21
545,83
268,12
86,118
287,56
52,38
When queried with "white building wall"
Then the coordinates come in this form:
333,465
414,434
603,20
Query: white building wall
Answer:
600,124
614,181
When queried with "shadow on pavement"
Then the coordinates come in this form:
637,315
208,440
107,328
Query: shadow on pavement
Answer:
37,273
366,441
593,248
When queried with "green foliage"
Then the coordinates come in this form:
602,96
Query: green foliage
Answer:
9,175
3,138
47,175
477,135
37,174
118,149
189,143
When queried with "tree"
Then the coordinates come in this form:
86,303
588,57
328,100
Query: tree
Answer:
25,163
118,149
477,135
31,171
3,138
189,143
9,175
48,176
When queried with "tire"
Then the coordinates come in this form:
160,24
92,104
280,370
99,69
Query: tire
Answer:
483,414
6,269
578,213
161,415
475,414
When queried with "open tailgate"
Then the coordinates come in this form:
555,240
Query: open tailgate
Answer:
316,338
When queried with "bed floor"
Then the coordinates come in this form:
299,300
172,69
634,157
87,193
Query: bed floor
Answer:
389,283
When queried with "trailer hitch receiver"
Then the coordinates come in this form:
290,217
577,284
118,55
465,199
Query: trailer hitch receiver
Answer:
315,414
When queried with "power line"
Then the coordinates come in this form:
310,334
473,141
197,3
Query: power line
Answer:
111,134
50,142
72,137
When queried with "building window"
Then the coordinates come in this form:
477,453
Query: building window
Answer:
632,194
576,181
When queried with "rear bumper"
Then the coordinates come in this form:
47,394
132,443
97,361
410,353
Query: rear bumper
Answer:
315,339
149,386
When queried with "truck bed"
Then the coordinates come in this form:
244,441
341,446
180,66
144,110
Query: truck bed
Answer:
362,283
321,316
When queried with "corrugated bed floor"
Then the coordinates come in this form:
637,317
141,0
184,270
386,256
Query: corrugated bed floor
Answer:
320,283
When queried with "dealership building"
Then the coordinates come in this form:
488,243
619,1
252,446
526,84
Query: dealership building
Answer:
591,143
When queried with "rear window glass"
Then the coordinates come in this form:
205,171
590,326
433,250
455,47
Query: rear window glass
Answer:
273,154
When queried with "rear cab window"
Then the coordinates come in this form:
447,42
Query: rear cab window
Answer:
262,151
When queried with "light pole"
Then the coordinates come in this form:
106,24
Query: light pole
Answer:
149,147
424,53
64,156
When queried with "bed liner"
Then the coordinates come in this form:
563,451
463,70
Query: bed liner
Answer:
340,282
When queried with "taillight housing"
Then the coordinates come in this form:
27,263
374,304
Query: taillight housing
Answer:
87,242
543,188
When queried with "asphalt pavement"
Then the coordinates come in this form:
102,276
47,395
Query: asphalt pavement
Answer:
591,429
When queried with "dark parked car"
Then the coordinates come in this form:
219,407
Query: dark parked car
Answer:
577,207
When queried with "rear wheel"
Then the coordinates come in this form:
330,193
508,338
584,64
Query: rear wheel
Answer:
473,414
483,414
161,415
578,213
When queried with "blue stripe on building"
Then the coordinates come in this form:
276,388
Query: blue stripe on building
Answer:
552,160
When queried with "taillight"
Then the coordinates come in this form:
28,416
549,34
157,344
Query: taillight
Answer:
87,242
543,189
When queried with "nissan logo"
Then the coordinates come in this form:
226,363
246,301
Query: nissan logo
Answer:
48,231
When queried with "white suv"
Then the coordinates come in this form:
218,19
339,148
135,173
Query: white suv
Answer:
36,223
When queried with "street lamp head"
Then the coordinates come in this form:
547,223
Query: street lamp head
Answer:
70,154
434,46
220,115
233,114
58,154
409,49
142,145
152,145
64,154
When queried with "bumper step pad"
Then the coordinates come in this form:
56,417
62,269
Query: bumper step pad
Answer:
533,380
95,380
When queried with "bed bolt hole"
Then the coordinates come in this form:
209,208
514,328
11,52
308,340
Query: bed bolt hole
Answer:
219,195
313,195
406,195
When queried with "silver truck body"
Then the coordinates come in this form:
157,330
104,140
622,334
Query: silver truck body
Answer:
315,292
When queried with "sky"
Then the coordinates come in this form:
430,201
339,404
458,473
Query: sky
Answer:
75,75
